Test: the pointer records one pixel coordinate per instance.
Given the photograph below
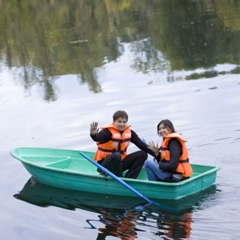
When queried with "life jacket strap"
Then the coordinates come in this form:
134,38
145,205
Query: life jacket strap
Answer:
184,161
164,149
111,151
120,140
180,161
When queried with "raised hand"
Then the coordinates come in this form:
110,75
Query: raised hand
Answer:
94,128
154,147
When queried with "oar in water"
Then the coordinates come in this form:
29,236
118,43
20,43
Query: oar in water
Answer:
125,184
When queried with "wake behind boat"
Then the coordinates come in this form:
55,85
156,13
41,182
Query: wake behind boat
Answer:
69,170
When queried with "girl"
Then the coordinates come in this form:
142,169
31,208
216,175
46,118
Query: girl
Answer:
172,163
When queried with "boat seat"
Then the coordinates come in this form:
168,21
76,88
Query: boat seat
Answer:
63,163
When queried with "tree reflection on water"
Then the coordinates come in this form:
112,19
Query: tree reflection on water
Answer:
81,36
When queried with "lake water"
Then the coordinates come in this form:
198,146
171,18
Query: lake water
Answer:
73,63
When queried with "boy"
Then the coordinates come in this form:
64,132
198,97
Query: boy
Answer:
113,141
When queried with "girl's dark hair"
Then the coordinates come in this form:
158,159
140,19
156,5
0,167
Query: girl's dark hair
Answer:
168,124
120,114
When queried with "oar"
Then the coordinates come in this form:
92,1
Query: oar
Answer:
125,184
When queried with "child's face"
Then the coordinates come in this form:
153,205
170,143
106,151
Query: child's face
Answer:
163,131
120,123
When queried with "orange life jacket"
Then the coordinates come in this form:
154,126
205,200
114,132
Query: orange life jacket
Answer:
118,142
184,166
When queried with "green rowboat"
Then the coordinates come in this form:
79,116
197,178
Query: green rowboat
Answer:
69,170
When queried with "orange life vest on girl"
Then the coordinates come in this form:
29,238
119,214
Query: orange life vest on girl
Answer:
184,166
119,142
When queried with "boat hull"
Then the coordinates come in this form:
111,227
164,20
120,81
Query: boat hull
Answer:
67,169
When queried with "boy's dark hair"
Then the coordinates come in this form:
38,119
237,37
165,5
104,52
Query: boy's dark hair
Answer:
120,114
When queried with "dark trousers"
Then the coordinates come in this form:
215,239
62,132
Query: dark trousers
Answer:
133,162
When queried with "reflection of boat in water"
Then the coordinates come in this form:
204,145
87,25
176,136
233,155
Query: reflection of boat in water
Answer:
67,169
121,216
43,195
